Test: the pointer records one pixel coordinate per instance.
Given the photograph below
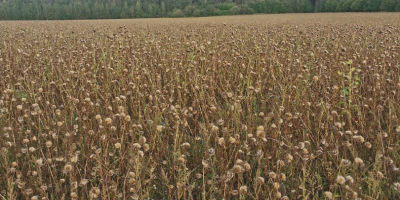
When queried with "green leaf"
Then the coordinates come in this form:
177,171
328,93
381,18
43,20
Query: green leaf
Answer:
345,91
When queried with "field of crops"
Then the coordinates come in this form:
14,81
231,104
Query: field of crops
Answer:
294,106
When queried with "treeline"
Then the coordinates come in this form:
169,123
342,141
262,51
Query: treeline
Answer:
116,9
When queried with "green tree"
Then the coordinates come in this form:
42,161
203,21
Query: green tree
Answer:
139,9
163,11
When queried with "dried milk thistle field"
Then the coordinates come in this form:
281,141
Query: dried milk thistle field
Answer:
244,107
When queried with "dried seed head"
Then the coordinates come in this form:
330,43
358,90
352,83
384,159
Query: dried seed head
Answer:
338,125
108,120
368,145
232,140
379,175
181,160
159,128
349,179
289,158
137,145
260,180
278,195
272,175
340,180
199,176
74,159
276,185
205,164
185,145
243,189
48,144
358,161
68,167
117,145
211,151
328,195
234,192
146,147
98,117
74,195
214,128
237,169
345,162
280,163
358,138
260,134
398,129
221,141
83,182
141,153
396,186
247,166
282,176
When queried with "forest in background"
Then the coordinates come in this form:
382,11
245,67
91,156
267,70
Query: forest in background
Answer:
120,9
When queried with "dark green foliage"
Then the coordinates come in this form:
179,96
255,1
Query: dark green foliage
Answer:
102,9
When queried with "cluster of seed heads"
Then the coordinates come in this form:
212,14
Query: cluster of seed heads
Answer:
278,107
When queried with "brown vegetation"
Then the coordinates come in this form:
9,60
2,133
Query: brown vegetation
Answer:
254,107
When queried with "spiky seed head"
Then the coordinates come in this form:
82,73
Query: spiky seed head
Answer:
68,167
243,189
48,144
221,141
159,128
358,161
349,179
214,128
272,175
137,145
260,179
237,169
247,166
282,176
234,192
340,180
328,195
276,185
108,120
181,160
